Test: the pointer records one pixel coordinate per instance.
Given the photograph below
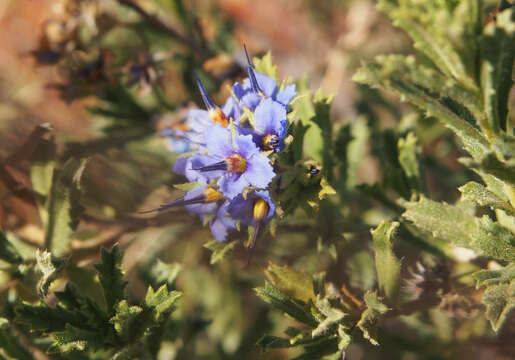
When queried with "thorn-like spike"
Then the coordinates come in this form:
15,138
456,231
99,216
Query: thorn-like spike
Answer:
257,228
205,97
252,75
176,203
222,165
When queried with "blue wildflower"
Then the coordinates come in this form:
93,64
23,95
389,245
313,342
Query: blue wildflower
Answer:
254,210
215,113
270,125
240,160
221,224
201,200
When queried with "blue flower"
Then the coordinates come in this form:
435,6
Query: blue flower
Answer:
240,160
202,200
258,207
270,125
222,223
255,210
188,166
215,113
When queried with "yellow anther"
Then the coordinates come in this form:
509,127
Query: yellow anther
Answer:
261,209
236,163
218,117
211,195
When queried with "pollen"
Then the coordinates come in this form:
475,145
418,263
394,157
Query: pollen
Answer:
261,209
271,141
211,195
218,117
236,163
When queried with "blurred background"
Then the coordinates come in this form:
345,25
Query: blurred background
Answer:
108,75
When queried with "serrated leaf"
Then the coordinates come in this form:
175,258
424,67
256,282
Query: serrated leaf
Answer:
452,224
75,339
63,206
371,317
292,283
219,249
481,235
497,56
7,251
295,308
162,301
187,186
333,318
427,23
266,66
499,301
165,273
45,318
495,277
50,268
111,277
388,267
431,92
409,160
125,319
42,171
473,191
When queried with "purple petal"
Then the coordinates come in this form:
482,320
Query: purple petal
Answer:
201,209
180,165
267,85
218,142
232,184
270,118
198,161
245,146
242,210
251,100
259,172
285,96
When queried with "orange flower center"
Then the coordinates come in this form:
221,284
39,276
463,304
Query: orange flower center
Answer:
236,163
218,117
211,195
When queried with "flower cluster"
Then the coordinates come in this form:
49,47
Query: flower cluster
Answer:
234,147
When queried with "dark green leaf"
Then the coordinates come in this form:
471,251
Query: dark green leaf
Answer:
7,251
111,277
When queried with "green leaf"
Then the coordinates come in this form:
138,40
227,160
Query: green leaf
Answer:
162,301
499,301
473,191
497,56
49,268
111,277
371,317
295,308
164,273
490,164
435,94
126,319
333,318
63,206
409,153
388,267
219,249
7,251
42,172
75,339
45,318
265,65
427,23
495,277
454,225
292,283
322,118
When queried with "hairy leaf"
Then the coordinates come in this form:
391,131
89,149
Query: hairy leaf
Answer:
387,265
295,308
49,268
476,192
292,283
111,277
219,249
63,206
162,301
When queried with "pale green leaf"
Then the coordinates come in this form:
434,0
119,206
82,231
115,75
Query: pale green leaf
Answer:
111,277
476,192
388,267
292,283
219,249
50,269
